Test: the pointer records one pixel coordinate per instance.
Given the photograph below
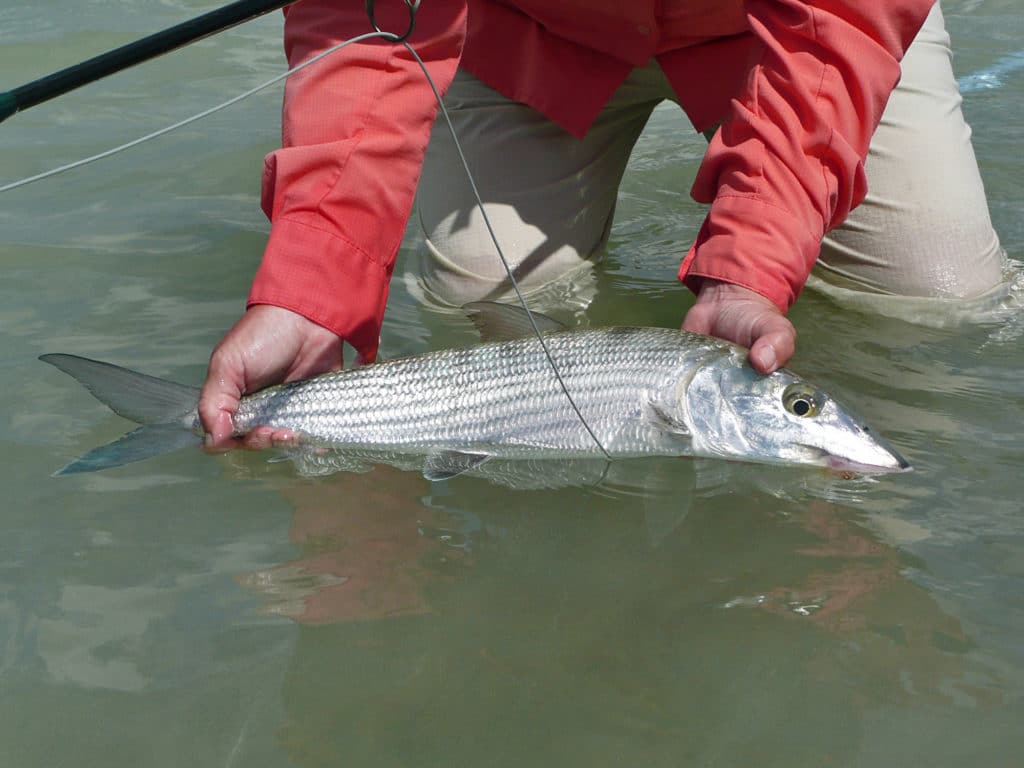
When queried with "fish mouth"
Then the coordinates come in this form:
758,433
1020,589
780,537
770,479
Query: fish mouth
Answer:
894,463
846,465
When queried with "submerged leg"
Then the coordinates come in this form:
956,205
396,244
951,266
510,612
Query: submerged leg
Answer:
549,195
924,228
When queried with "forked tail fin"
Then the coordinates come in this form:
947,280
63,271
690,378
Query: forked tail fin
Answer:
161,406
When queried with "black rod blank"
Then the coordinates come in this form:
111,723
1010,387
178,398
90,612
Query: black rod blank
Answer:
157,44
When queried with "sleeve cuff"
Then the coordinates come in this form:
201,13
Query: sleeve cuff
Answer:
327,279
752,243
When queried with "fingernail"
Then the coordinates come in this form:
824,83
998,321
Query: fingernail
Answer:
768,359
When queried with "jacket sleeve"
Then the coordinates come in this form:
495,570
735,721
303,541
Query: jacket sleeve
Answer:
355,128
787,164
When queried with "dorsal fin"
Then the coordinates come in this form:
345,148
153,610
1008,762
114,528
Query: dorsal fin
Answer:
504,322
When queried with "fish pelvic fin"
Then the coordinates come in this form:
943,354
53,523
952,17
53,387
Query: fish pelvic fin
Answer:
162,407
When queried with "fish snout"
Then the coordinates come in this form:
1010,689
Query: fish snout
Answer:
869,453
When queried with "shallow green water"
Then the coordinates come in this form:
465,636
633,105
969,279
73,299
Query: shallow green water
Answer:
223,611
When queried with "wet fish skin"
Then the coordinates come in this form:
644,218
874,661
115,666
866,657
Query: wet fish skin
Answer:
499,398
643,391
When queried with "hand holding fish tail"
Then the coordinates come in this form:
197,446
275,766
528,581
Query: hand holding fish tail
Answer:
268,345
742,316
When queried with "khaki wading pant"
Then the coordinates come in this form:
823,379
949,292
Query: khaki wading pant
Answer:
924,229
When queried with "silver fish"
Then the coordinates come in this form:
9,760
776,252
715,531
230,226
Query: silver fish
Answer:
643,392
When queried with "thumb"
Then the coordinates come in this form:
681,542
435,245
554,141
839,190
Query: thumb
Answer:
763,356
218,402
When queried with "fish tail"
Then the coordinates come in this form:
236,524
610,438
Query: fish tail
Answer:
164,409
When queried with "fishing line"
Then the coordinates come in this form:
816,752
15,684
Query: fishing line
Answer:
412,6
188,120
501,254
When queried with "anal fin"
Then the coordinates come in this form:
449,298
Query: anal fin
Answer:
442,465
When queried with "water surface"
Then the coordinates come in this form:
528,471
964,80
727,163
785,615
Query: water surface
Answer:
199,610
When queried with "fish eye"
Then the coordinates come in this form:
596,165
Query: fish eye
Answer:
801,401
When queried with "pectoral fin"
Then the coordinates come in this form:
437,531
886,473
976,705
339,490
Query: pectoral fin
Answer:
660,418
661,518
442,465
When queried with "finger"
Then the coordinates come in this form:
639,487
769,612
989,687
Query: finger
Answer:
262,438
259,439
218,401
763,356
219,436
284,438
773,349
223,446
215,411
699,319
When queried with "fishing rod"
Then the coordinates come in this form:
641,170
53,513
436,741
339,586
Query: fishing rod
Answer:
157,44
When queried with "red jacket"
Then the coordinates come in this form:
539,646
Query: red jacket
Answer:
799,85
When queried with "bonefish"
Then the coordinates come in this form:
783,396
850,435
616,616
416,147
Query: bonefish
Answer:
643,392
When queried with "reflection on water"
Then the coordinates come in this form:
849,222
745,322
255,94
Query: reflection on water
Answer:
200,610
754,633
361,564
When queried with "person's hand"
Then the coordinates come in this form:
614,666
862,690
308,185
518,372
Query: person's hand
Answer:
268,345
739,315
